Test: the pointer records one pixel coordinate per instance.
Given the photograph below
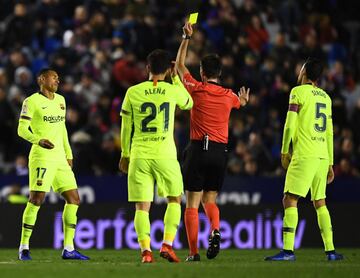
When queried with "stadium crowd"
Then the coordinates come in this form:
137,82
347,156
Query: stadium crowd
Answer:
99,48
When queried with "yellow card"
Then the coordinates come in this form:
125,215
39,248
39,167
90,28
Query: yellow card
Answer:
193,18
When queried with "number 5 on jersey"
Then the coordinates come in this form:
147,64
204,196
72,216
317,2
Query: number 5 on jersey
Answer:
320,115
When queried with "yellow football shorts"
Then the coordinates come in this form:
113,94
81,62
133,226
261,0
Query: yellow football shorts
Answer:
307,173
45,174
144,173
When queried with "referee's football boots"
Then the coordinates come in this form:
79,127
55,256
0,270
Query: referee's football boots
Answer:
193,258
214,244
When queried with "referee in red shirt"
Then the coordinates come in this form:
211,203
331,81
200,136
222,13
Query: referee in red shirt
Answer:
206,156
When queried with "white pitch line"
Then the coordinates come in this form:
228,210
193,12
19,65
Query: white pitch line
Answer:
19,262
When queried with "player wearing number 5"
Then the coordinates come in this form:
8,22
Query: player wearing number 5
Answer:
150,155
50,161
309,128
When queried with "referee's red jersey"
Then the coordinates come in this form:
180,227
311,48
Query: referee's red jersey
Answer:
211,111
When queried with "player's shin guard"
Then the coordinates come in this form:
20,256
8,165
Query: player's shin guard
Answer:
28,222
213,214
324,222
289,227
171,222
192,228
69,225
142,228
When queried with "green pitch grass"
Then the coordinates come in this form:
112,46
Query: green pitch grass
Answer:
229,263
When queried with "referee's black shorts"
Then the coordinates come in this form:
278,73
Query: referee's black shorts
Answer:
204,170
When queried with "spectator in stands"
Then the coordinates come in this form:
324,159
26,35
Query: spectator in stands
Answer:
257,35
7,123
88,91
20,167
345,169
18,28
99,49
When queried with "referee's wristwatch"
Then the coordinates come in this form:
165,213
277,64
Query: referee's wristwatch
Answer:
186,37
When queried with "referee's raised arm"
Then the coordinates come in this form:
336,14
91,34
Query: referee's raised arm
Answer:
181,55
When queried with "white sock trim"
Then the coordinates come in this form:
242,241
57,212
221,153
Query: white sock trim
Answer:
69,248
168,242
23,247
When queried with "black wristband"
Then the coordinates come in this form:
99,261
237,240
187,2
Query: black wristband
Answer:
186,37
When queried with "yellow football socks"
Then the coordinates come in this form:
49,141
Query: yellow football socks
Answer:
289,227
324,222
142,228
171,222
28,222
69,225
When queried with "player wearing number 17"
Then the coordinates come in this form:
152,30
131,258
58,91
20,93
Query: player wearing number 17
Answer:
151,156
50,161
309,128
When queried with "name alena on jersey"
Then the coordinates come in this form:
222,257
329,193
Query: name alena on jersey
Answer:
155,91
53,119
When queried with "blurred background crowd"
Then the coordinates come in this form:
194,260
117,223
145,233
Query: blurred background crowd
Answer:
99,48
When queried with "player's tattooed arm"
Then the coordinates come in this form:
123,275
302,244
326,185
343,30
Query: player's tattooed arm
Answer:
285,160
46,144
330,175
124,164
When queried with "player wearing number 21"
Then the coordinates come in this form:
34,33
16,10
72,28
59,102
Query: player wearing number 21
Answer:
50,161
309,128
150,155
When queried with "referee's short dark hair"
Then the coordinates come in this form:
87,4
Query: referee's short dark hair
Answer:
313,68
211,66
159,61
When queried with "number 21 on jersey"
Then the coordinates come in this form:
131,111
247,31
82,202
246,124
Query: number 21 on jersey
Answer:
151,107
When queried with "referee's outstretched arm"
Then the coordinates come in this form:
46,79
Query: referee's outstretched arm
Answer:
181,55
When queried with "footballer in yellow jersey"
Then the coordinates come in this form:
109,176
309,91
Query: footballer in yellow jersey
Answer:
150,154
309,129
42,123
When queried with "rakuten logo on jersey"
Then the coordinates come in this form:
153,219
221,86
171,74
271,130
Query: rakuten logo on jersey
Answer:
54,119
